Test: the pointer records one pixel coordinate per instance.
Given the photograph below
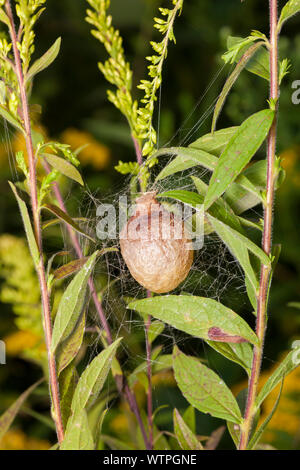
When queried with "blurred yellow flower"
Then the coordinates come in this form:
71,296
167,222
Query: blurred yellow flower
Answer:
289,158
94,153
17,440
18,144
119,424
20,341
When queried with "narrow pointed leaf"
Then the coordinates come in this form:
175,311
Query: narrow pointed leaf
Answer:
225,231
291,8
240,353
259,432
291,361
64,167
239,245
232,79
66,218
8,417
10,118
198,316
239,151
185,437
214,142
68,380
44,61
69,348
92,379
259,64
78,435
185,158
204,389
71,303
28,227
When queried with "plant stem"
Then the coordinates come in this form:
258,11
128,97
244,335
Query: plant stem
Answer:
54,388
267,237
139,158
122,385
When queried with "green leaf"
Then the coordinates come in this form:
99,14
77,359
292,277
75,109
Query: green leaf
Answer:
259,432
239,245
186,438
70,268
66,218
239,199
185,158
28,227
69,348
214,142
204,389
290,9
291,361
78,435
75,265
232,79
198,316
239,151
240,353
64,167
10,118
4,18
71,303
187,197
155,329
68,380
92,379
219,209
8,417
44,61
259,63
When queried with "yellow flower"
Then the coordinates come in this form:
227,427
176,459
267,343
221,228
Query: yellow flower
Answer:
119,424
20,341
17,440
94,153
289,158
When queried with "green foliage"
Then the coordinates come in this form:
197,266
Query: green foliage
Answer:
71,304
117,71
186,438
8,417
197,316
145,112
204,389
238,152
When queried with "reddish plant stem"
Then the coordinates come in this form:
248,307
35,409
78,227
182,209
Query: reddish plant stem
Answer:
266,239
37,229
121,384
139,158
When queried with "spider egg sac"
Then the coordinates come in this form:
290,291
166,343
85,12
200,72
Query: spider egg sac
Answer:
155,247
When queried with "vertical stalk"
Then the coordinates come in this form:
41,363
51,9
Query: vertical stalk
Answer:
267,236
54,388
121,384
139,158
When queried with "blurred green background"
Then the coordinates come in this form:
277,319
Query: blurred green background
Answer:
75,110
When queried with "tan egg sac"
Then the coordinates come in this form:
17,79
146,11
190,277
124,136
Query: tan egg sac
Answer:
154,246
